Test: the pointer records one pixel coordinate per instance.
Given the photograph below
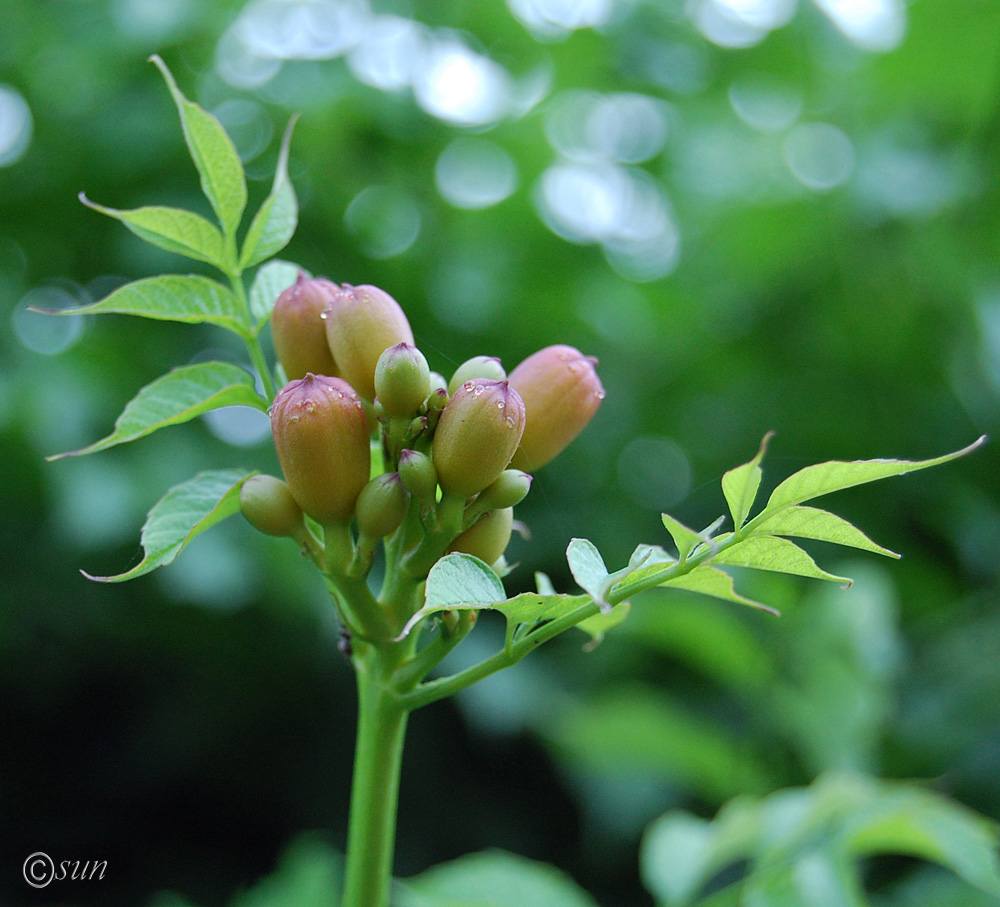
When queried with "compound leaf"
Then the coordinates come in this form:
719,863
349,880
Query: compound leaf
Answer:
774,554
821,526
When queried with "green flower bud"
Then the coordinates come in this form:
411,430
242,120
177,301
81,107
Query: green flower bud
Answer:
476,436
269,506
321,436
561,392
507,491
361,323
418,475
476,367
438,382
381,506
402,380
488,537
298,330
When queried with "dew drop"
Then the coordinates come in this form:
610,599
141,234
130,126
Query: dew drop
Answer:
324,314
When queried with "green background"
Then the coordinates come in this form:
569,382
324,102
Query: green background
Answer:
835,280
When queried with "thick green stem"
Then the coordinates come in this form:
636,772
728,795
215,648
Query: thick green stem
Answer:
375,789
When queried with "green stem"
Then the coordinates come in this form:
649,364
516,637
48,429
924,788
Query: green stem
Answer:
375,788
253,342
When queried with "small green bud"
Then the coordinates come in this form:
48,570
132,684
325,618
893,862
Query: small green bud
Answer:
488,537
381,506
507,491
269,506
438,382
321,436
298,330
561,392
476,367
418,475
361,323
476,436
402,380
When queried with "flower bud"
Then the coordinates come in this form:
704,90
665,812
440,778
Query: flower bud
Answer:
418,475
269,506
362,322
381,506
298,330
488,537
402,380
476,436
321,436
438,383
507,491
561,392
476,367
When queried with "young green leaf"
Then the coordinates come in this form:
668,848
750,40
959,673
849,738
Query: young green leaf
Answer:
823,478
597,626
776,555
184,512
178,397
172,229
268,284
716,583
213,153
740,484
590,572
170,297
685,539
275,222
820,525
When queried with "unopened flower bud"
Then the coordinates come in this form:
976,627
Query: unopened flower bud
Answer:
438,382
488,537
321,436
298,330
381,506
418,475
561,392
362,322
507,491
402,380
476,367
269,506
476,436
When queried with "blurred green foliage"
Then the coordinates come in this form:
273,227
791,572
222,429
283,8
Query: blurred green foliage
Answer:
767,219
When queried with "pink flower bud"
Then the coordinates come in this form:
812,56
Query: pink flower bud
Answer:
321,436
476,436
361,323
298,330
561,392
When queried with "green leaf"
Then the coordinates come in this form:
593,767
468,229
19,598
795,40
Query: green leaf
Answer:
685,539
177,397
590,572
716,583
776,555
170,297
820,525
461,581
824,478
597,626
492,879
184,512
172,229
740,485
268,283
213,153
274,224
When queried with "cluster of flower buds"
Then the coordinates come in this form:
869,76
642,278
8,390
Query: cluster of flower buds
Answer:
453,452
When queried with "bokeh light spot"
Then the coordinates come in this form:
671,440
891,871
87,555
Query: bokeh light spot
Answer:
475,173
820,156
15,126
654,472
47,334
385,221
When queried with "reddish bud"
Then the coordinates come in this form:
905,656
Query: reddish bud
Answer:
361,323
561,392
298,330
488,537
269,506
476,367
321,436
476,436
402,380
